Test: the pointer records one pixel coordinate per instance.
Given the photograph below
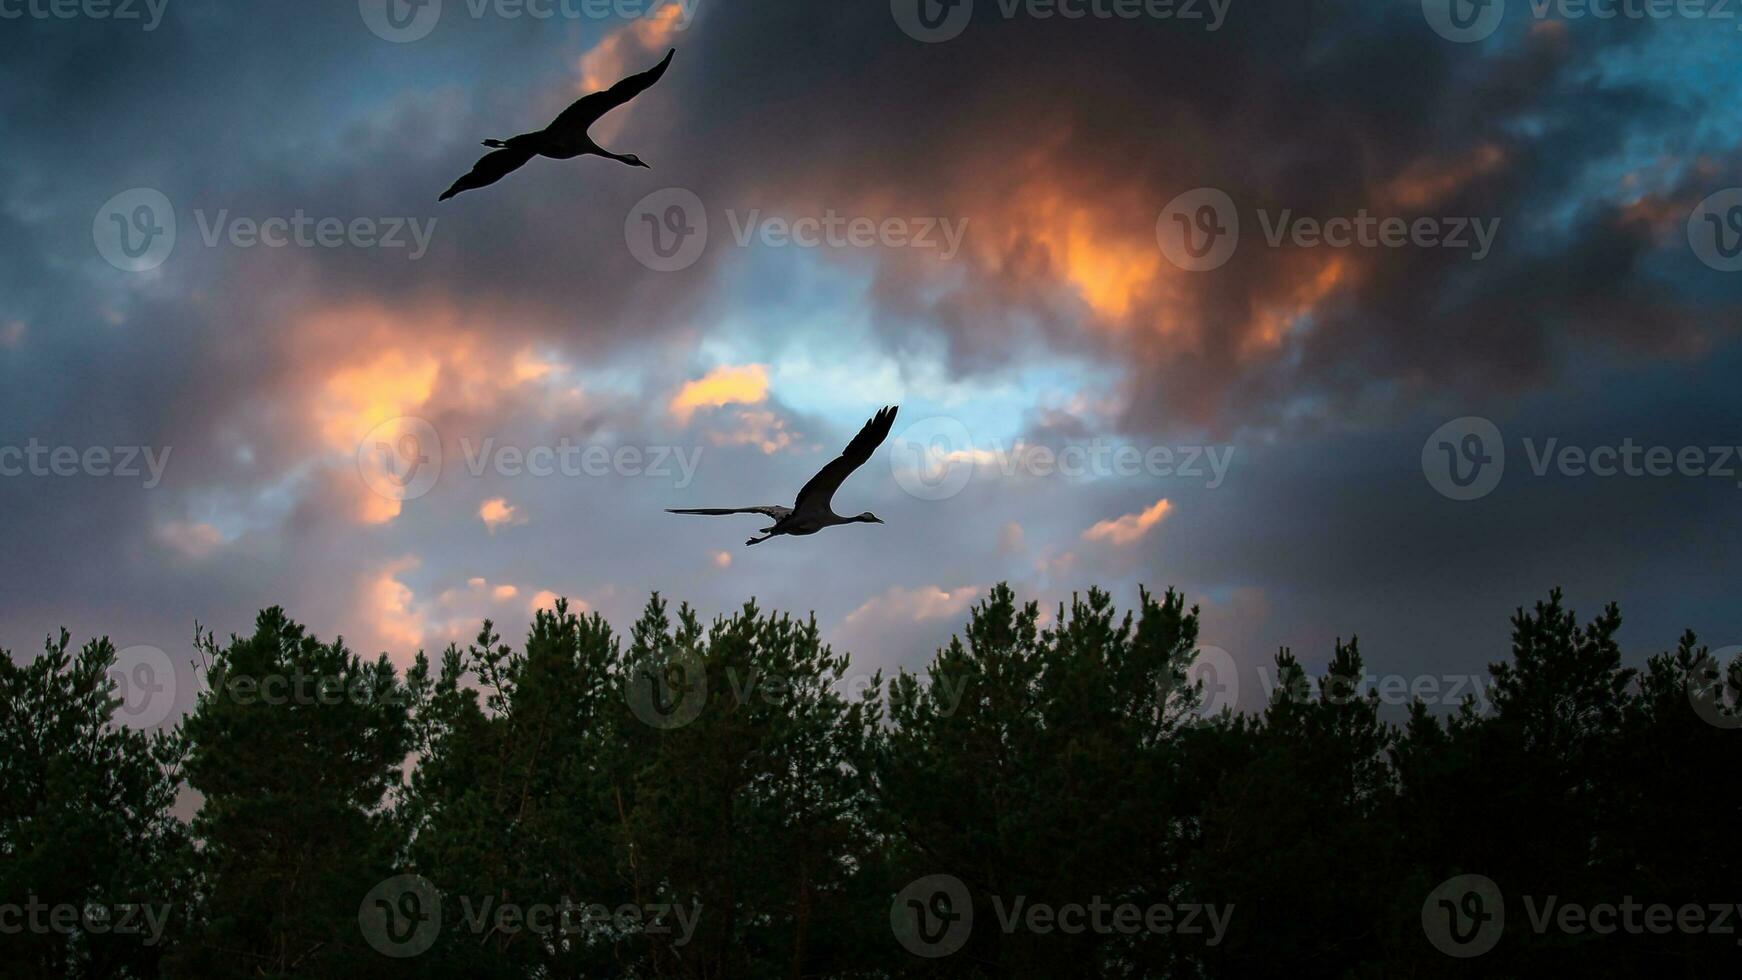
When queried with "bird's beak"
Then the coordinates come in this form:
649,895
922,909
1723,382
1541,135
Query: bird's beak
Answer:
647,165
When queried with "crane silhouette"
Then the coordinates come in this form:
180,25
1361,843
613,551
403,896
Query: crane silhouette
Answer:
565,138
814,510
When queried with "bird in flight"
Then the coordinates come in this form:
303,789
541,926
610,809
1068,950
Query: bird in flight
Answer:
565,138
812,511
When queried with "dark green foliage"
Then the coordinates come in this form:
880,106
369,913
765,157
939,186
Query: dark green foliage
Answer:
736,770
84,819
294,749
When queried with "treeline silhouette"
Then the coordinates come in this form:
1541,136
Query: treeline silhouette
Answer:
721,801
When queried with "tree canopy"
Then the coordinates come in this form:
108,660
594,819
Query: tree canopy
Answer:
1049,797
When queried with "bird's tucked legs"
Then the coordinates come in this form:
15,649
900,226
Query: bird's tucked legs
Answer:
765,537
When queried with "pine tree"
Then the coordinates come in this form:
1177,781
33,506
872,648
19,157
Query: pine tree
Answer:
295,748
85,821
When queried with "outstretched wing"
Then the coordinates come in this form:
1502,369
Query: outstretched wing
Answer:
492,168
778,513
587,109
816,494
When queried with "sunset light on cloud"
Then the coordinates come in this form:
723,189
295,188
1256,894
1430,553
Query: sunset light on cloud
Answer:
726,385
496,512
1131,528
897,396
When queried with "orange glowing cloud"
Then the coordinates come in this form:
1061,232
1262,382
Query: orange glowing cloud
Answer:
623,52
1429,181
914,605
1131,528
724,385
370,372
546,599
388,608
497,511
1082,246
1271,324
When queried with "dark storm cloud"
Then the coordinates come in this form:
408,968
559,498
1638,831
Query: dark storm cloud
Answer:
1324,109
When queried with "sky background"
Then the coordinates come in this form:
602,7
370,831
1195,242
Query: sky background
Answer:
1056,147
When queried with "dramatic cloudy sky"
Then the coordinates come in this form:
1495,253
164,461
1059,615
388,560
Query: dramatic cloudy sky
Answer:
285,383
